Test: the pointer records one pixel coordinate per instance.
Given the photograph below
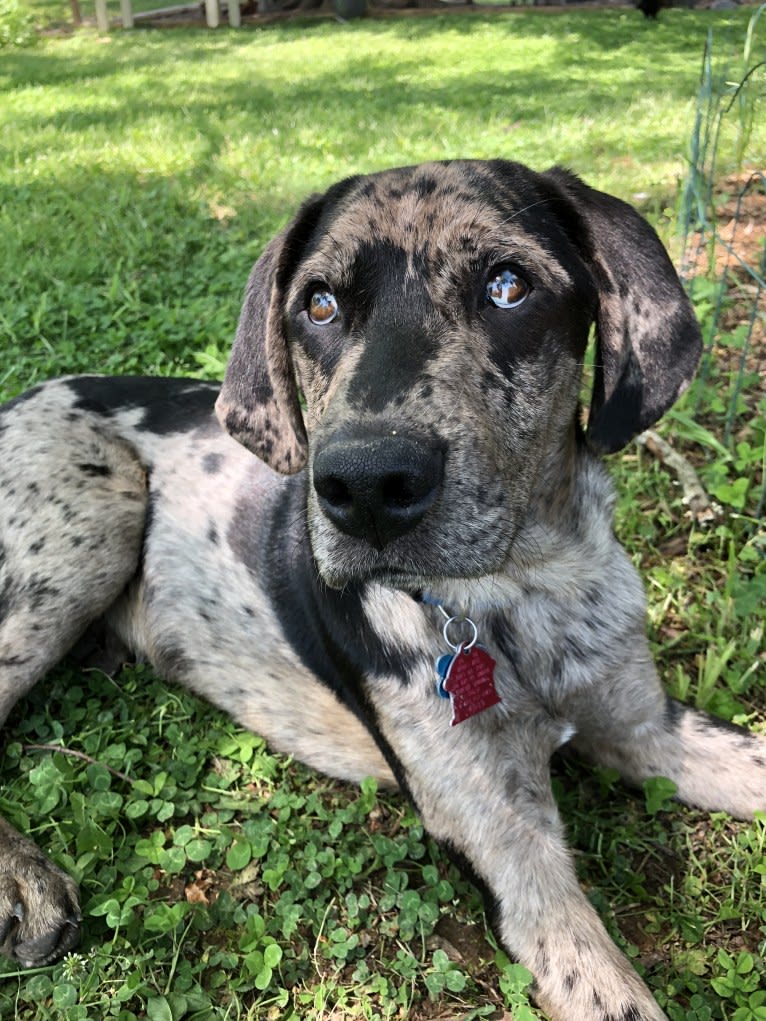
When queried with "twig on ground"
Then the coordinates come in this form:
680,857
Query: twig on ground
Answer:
76,755
699,503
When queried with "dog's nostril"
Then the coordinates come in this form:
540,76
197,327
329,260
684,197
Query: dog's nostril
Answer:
398,491
335,491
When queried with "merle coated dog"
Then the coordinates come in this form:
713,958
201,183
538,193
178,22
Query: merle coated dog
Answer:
406,371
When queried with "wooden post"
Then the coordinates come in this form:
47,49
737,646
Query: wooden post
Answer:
235,17
126,10
102,17
212,14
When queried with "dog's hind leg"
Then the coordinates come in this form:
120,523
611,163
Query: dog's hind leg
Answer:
633,727
72,508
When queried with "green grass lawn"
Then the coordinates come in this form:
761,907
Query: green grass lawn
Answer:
140,176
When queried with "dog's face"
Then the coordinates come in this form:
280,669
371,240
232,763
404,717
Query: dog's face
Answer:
435,320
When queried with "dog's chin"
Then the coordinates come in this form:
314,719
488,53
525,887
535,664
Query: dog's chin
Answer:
348,576
410,577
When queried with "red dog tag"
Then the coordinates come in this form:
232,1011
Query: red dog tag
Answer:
470,683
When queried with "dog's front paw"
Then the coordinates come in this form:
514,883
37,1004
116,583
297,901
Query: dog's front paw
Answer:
39,904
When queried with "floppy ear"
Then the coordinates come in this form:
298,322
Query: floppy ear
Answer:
648,339
258,403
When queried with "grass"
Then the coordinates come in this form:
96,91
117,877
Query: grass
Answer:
140,177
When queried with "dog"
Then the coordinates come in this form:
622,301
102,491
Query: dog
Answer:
396,559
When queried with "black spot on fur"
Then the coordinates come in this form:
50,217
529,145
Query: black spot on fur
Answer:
629,1013
632,1013
570,980
166,405
211,462
727,727
94,470
574,650
425,186
504,638
542,959
535,795
674,712
265,446
593,597
38,591
14,660
171,661
7,589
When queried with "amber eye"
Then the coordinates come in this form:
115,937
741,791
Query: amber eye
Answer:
323,308
506,289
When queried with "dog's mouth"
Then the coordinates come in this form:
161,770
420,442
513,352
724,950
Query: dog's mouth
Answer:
407,581
410,575
390,577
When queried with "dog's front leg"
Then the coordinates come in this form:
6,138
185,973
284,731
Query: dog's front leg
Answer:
483,790
39,908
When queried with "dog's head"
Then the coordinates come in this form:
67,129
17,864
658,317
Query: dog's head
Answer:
417,337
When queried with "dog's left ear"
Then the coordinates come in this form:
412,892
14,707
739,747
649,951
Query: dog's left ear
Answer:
648,338
258,403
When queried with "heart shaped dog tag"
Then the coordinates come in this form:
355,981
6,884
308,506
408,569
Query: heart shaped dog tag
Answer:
470,683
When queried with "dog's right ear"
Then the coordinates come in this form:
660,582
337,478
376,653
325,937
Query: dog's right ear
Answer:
647,336
258,403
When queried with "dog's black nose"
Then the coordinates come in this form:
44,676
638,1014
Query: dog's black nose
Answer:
377,489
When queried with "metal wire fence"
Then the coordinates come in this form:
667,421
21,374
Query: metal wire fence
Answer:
722,222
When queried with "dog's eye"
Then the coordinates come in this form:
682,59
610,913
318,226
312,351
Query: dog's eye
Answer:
323,308
506,289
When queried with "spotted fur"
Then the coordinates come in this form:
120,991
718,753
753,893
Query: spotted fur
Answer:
420,445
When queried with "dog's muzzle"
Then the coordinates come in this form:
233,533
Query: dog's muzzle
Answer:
377,489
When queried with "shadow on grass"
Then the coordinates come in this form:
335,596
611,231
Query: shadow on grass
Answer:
583,39
555,68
